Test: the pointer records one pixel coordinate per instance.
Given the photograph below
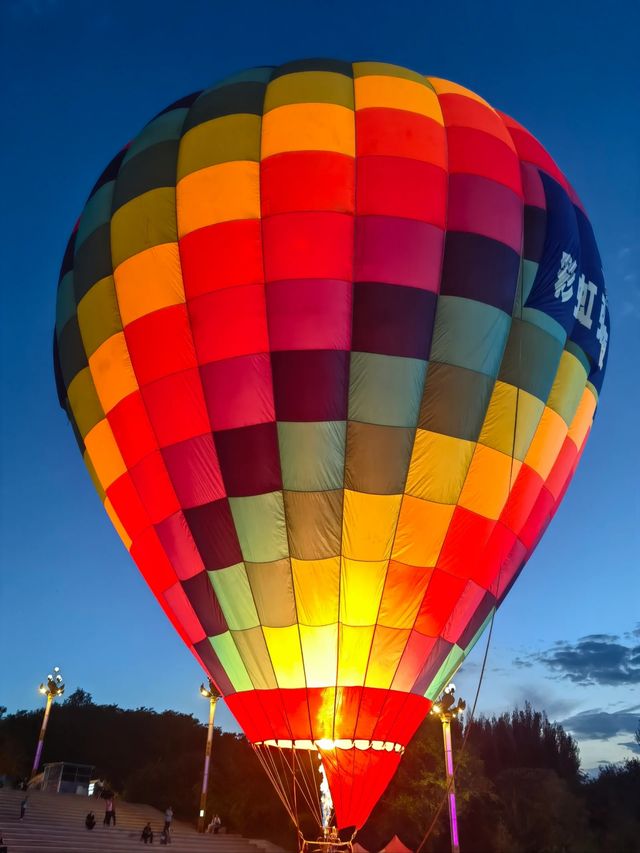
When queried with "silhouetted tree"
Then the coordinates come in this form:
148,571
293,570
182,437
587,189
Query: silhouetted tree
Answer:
79,698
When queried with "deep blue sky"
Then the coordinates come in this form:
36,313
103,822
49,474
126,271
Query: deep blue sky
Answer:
80,79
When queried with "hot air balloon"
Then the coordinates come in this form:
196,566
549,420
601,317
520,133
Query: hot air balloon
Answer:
331,338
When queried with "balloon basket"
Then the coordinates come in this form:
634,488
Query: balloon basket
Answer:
325,846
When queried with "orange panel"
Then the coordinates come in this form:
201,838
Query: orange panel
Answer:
583,418
386,651
122,533
446,87
489,479
399,94
148,281
112,372
422,527
308,127
104,454
403,592
221,193
546,442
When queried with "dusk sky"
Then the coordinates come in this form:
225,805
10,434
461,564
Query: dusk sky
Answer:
79,80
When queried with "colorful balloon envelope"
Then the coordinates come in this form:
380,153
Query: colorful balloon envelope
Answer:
331,338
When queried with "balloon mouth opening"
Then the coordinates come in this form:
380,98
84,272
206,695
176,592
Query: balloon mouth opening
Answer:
329,745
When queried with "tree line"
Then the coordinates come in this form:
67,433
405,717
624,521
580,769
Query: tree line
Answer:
520,787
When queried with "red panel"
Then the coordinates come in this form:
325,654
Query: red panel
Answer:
466,606
176,407
132,429
399,133
357,779
460,111
488,562
184,613
160,343
194,470
309,314
521,499
178,544
307,180
227,254
308,245
538,520
393,250
415,654
229,323
154,487
562,468
478,153
532,186
442,594
530,150
485,207
126,502
238,391
466,538
400,186
150,558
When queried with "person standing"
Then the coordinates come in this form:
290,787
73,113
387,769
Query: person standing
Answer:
168,817
23,807
109,813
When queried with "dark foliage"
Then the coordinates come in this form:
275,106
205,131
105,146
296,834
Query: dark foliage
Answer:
518,779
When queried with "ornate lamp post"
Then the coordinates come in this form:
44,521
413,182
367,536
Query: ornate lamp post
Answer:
445,709
212,695
53,688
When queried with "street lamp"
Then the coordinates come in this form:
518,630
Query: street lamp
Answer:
212,695
53,688
446,709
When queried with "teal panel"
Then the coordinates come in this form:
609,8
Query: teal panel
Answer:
449,667
96,213
385,389
66,302
312,455
165,127
260,525
469,334
232,590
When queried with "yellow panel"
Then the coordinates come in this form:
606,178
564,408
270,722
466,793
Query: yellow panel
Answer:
308,127
568,386
316,585
489,480
320,652
546,443
104,454
501,420
220,140
149,281
368,522
219,193
446,87
397,93
386,651
421,530
147,220
112,372
583,418
353,654
286,656
438,466
361,585
122,533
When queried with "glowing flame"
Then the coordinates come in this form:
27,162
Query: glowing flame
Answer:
325,794
325,743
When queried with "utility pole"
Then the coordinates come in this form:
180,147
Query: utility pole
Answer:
211,694
53,688
444,708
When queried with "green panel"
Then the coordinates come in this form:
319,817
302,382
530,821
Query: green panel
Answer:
272,589
253,650
220,140
309,87
386,69
99,315
545,322
96,212
234,594
312,455
455,401
260,525
84,402
66,302
145,221
385,389
166,126
470,334
154,167
225,648
260,74
530,359
446,672
579,353
528,271
568,386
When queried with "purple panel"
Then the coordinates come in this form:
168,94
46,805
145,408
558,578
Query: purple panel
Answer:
473,626
485,207
238,391
433,663
398,251
392,320
194,471
249,460
535,229
309,314
214,667
203,599
177,541
310,385
479,268
215,535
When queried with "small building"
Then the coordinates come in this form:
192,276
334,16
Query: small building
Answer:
63,777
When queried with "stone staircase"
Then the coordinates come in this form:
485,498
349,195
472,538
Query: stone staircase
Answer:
55,823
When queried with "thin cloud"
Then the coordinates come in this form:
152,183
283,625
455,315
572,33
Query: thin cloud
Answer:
603,659
597,724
